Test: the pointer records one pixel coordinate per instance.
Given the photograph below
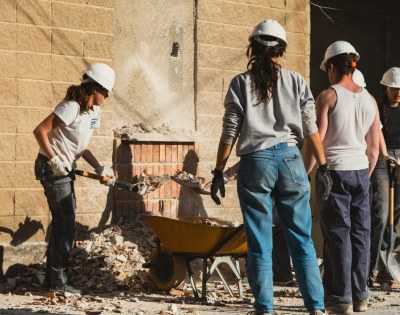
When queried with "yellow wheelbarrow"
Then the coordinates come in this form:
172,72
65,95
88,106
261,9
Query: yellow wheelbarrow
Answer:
180,241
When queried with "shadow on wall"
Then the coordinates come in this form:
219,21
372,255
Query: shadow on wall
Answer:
24,232
190,202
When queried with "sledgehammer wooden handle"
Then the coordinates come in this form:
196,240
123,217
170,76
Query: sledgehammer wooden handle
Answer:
91,175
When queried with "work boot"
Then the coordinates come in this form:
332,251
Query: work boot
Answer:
360,306
319,312
66,288
341,308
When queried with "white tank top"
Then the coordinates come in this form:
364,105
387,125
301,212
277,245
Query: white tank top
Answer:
348,123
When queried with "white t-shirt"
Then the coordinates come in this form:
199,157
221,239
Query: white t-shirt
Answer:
70,140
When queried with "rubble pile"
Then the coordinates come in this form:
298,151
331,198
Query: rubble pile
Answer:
148,183
100,261
112,259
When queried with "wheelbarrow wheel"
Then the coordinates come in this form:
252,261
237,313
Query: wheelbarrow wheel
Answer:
166,271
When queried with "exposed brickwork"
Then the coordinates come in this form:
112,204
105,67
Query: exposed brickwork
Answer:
156,158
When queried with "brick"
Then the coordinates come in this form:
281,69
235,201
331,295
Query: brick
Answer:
93,200
102,147
256,14
8,92
66,69
8,64
8,12
222,12
73,1
26,147
99,20
7,202
168,153
36,115
162,152
174,153
181,153
58,91
279,16
67,15
33,66
156,153
101,3
209,103
280,4
35,12
149,153
297,63
31,203
298,22
34,93
98,46
227,78
67,42
25,175
209,80
221,58
33,39
7,231
7,147
124,153
7,174
297,43
297,5
222,34
8,35
138,152
8,120
209,126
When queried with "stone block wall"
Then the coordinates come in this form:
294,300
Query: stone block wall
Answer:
44,47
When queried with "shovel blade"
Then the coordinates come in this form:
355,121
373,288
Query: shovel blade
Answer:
391,264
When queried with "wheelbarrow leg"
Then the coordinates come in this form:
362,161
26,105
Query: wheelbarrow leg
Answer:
192,283
204,280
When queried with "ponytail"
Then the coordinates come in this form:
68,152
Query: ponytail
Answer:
265,70
80,94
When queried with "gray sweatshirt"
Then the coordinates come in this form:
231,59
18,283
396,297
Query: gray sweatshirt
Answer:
288,117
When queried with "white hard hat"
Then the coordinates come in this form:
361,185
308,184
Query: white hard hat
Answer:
102,74
269,28
358,78
391,77
337,48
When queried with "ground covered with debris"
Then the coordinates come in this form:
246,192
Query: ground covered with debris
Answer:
108,264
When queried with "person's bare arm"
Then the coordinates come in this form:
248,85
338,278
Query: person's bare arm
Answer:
43,129
224,151
313,149
373,140
90,158
382,145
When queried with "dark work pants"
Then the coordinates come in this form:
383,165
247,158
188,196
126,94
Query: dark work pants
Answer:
346,223
60,196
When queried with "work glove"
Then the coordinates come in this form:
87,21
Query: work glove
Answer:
59,167
217,184
323,182
105,171
390,161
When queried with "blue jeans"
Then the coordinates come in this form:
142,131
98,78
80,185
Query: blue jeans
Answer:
346,224
278,173
379,198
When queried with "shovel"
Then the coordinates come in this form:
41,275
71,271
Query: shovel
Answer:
118,183
387,257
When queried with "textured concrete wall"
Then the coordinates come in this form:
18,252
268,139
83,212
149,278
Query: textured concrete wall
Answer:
44,46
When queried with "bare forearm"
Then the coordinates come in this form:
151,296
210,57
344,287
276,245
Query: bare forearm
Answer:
317,150
224,150
43,141
89,157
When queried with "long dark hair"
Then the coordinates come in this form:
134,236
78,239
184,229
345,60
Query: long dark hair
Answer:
80,93
265,70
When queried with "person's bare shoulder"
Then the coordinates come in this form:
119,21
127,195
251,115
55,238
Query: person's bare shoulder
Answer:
326,100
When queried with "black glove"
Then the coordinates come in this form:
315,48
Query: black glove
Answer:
323,182
217,184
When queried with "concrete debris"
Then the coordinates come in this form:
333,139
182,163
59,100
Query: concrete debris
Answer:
148,183
129,132
189,180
